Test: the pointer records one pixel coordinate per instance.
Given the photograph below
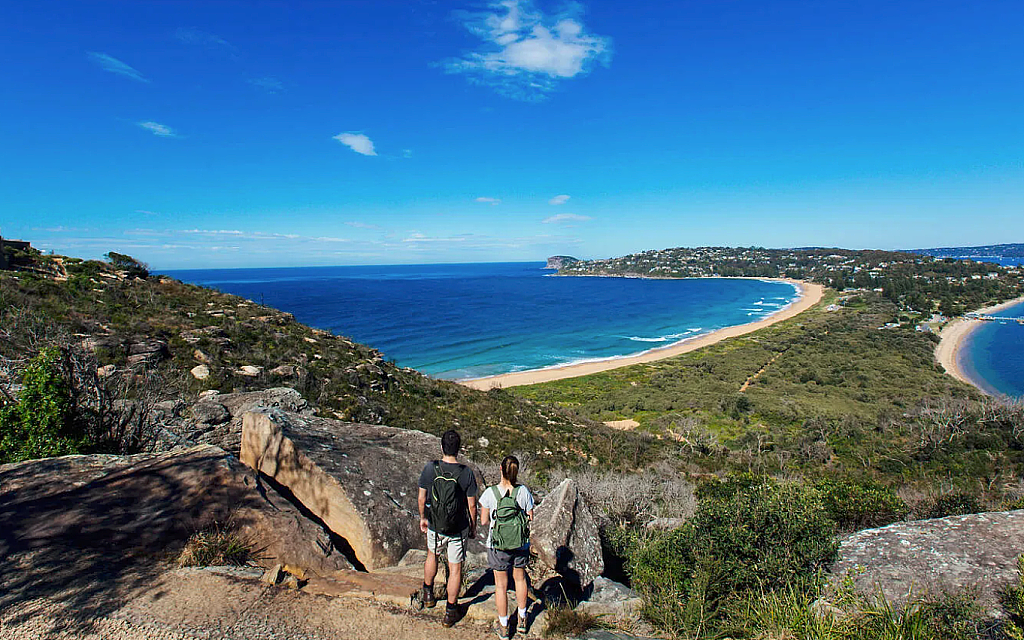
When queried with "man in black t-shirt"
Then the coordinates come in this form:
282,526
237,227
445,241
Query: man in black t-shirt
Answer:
462,527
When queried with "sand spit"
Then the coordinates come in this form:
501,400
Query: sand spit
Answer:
810,294
947,353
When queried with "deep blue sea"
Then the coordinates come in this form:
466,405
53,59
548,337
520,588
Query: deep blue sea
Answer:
461,321
993,355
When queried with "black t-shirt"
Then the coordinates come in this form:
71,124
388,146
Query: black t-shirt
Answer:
467,480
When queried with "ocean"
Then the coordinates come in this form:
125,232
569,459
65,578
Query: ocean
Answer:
993,355
459,321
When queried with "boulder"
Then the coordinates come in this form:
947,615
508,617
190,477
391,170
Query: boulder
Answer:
564,535
359,479
228,435
200,372
909,558
210,412
201,356
106,370
250,371
109,510
613,602
285,371
147,351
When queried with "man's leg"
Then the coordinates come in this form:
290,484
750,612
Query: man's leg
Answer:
454,582
430,568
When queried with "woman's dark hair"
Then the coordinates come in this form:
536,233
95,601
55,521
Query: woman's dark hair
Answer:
451,443
510,469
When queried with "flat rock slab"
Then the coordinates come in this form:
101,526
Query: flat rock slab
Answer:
66,523
902,559
359,479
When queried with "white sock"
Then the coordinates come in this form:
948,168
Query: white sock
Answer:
503,620
522,614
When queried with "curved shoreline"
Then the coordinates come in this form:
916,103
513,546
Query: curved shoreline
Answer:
951,341
809,294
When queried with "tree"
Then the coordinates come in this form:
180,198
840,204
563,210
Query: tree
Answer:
135,268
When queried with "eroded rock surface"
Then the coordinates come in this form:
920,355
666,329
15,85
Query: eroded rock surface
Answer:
82,513
359,479
564,535
942,553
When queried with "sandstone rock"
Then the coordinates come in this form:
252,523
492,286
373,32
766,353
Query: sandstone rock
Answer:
906,558
106,371
100,511
209,393
285,371
153,350
200,372
564,535
613,601
250,371
272,575
360,480
210,412
200,356
228,435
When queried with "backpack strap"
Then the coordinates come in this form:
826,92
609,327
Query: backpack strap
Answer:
497,494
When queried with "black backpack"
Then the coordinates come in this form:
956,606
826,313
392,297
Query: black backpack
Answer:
448,504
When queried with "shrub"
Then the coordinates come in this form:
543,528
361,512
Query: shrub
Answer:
764,538
216,546
859,505
133,267
955,503
565,621
41,423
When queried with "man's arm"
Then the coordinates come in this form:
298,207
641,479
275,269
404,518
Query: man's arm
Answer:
422,500
472,515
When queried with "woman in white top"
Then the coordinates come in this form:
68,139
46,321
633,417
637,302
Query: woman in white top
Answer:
501,560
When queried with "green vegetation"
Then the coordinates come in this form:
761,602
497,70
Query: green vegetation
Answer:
40,422
565,621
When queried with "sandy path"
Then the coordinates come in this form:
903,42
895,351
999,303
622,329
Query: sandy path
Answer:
810,295
947,353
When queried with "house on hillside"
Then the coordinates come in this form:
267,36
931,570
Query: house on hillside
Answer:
10,245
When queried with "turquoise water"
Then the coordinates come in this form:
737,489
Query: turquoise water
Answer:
993,355
461,321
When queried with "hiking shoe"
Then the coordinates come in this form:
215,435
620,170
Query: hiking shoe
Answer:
501,630
451,615
429,601
520,624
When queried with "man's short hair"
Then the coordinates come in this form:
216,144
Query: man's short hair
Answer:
451,442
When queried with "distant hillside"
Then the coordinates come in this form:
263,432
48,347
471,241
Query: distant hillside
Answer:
187,339
1013,250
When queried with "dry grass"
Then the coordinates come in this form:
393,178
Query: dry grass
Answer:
216,546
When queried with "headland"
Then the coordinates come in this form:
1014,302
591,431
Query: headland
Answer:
809,294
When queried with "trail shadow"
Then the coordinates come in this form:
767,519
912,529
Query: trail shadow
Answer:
88,534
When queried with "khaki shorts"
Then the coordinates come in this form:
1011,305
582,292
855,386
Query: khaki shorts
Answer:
455,545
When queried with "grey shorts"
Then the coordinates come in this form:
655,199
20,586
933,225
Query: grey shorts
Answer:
455,546
504,560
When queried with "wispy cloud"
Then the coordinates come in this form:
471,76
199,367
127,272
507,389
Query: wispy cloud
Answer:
268,84
113,65
559,200
357,142
406,153
158,129
146,212
200,38
362,225
525,53
490,201
562,218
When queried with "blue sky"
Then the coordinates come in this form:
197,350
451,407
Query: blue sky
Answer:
204,134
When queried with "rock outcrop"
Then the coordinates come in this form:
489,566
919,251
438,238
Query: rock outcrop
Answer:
145,505
359,479
932,555
225,429
557,262
564,535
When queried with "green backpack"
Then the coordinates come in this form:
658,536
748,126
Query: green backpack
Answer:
511,527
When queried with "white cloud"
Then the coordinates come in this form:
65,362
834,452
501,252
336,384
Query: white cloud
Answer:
525,53
268,84
158,129
357,142
490,201
566,217
113,65
198,37
559,200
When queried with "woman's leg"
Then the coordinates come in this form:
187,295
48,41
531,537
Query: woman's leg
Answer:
522,593
501,592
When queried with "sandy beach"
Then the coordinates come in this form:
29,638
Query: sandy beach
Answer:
947,353
810,295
